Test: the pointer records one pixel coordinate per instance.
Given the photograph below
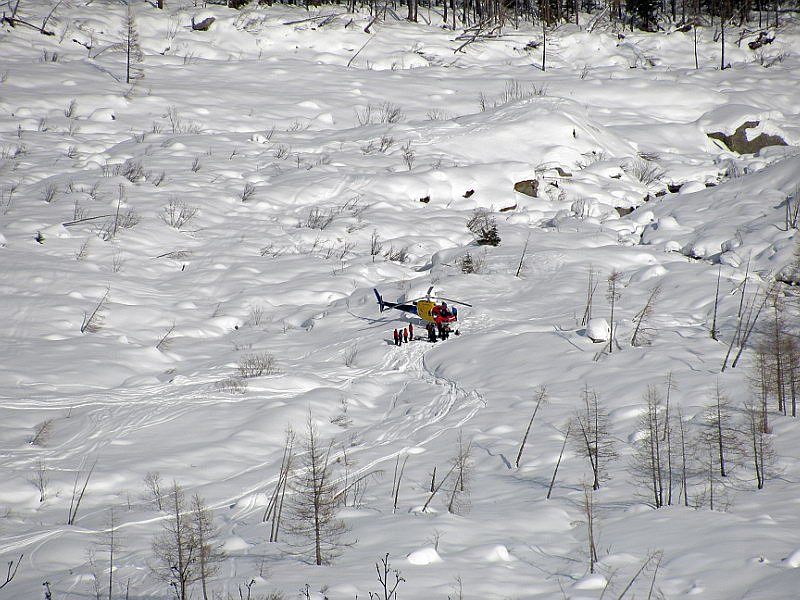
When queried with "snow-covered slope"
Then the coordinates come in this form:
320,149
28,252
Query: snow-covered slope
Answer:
243,198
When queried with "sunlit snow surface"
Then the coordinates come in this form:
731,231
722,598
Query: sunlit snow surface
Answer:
272,121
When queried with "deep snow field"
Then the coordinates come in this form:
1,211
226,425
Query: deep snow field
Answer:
292,143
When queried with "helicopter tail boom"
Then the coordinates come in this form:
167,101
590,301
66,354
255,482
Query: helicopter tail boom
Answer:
381,303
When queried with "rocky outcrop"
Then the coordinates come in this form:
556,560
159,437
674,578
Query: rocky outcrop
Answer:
528,187
739,142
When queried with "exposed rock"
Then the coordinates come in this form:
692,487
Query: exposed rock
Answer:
623,210
425,199
529,187
563,173
508,208
204,24
762,39
739,143
468,193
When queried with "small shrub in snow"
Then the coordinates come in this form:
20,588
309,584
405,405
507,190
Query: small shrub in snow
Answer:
350,354
48,56
469,264
375,244
13,151
131,170
644,170
256,316
156,178
129,220
42,433
319,219
49,193
248,192
282,151
381,145
255,365
232,385
177,214
93,322
484,227
178,125
83,251
400,255
71,110
437,114
408,155
386,113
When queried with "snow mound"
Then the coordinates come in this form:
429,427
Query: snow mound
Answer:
591,582
424,556
499,554
598,329
793,560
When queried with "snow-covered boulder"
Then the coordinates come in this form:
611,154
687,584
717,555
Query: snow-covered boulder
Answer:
598,330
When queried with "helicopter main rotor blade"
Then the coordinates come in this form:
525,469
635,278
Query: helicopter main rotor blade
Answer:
454,301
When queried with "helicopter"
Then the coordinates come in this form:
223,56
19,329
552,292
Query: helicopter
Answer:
428,308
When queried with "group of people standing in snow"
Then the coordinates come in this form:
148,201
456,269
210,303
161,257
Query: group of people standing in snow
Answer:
438,331
403,336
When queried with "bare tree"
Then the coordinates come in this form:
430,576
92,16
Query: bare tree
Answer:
642,333
590,427
274,510
388,578
398,478
152,482
522,256
612,295
591,288
684,462
777,364
761,383
312,520
759,442
459,493
707,456
110,543
590,514
78,492
208,554
11,571
40,479
651,461
558,462
175,548
716,303
720,433
541,396
748,317
133,51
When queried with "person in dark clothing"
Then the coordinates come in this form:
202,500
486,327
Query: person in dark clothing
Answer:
411,331
431,332
405,335
395,337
